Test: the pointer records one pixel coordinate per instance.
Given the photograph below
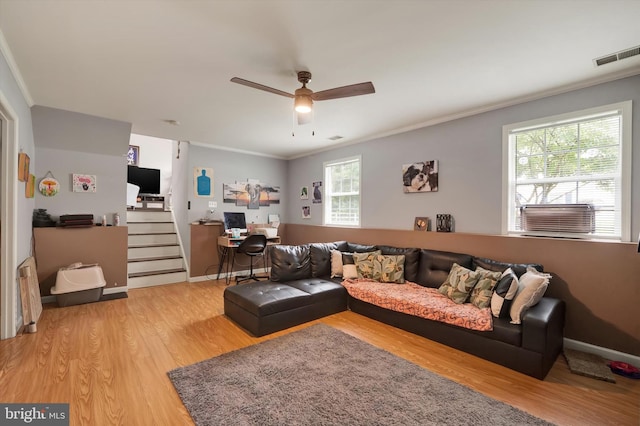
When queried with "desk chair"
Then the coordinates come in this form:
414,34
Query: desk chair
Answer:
252,246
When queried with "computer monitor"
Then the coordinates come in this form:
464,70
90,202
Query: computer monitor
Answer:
235,220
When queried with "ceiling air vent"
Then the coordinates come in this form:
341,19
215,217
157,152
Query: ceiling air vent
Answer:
335,138
618,56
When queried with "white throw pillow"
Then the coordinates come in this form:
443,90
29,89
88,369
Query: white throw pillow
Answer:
349,271
336,263
531,288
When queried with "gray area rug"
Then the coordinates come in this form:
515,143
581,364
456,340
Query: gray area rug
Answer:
322,376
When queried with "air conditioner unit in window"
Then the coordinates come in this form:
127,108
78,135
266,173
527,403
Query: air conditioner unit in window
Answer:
569,218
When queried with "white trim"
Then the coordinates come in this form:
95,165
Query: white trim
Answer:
13,67
606,353
8,216
185,264
326,205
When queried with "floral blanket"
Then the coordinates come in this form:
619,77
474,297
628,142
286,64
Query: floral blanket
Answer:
414,299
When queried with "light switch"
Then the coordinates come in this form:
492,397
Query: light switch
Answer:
213,204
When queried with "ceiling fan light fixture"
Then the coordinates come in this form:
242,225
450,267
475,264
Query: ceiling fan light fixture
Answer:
303,104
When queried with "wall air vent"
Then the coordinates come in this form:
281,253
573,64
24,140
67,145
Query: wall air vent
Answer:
335,138
618,56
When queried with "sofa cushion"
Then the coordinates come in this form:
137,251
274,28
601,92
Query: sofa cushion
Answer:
494,265
411,259
359,248
290,262
459,283
481,294
435,266
265,298
531,288
503,294
320,289
321,257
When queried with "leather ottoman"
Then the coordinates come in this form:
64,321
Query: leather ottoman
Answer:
265,307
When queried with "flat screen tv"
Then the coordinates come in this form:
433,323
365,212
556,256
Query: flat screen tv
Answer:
147,179
235,220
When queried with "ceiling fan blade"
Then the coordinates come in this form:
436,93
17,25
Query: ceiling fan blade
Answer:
303,118
344,91
261,87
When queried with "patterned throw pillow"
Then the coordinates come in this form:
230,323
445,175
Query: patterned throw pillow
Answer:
503,294
482,292
364,263
388,268
531,288
459,283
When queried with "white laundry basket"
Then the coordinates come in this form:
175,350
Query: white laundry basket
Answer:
78,284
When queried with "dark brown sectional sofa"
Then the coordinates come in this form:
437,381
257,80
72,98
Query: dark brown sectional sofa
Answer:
301,290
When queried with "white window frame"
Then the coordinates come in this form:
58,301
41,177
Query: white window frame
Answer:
326,166
508,167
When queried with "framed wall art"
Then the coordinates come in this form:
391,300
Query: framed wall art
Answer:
84,183
421,224
203,182
23,167
133,155
420,177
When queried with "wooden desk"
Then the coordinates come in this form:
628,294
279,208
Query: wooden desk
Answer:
225,244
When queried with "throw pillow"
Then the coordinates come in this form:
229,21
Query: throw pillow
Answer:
531,288
349,272
364,263
503,293
336,264
459,283
388,268
483,290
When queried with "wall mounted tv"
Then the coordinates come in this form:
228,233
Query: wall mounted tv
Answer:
147,179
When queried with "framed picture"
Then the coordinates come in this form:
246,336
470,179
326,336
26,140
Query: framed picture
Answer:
84,183
420,177
23,167
306,212
317,192
304,193
203,182
421,224
133,155
444,223
30,186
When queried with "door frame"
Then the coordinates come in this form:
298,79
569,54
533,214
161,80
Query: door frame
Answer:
8,216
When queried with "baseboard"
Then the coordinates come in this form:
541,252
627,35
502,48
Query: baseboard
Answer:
121,289
223,275
605,353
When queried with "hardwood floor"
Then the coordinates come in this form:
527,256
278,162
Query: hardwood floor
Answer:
109,361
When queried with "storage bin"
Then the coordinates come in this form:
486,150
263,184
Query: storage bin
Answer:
78,284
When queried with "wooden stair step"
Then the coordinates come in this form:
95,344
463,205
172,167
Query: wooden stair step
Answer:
160,272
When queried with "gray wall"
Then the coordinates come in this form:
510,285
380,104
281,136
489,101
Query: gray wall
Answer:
68,143
229,167
12,97
469,151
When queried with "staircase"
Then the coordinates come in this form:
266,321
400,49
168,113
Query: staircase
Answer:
154,252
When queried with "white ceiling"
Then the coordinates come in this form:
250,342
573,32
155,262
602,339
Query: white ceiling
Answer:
145,61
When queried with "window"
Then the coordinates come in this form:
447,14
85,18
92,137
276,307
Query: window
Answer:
569,175
342,192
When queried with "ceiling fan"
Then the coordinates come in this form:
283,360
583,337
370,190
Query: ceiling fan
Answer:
304,97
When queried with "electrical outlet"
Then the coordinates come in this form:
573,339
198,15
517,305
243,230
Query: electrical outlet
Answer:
213,204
